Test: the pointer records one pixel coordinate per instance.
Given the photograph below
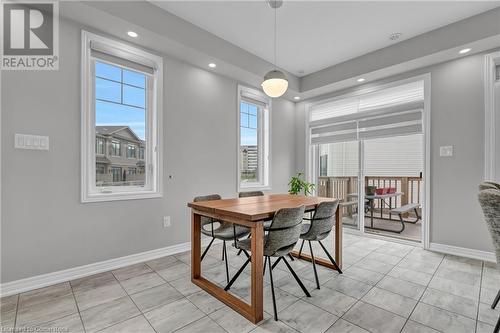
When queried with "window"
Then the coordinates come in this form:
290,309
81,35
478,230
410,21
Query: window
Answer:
131,149
122,89
253,147
99,146
115,148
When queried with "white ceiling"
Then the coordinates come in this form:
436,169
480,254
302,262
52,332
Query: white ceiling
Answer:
314,35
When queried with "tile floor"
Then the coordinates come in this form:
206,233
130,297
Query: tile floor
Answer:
386,287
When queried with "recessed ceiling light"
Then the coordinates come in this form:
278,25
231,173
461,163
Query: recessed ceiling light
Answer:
361,79
212,65
296,98
132,34
464,51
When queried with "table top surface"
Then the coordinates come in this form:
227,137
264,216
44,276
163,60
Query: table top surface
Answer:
256,208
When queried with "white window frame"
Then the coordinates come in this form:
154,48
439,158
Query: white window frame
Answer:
264,139
490,62
153,187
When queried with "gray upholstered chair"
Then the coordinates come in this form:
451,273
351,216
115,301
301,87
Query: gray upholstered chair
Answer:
490,203
321,225
489,185
280,240
253,194
225,231
250,194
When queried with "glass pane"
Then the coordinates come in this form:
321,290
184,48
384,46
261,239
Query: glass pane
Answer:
107,90
244,107
134,96
121,115
108,71
134,78
338,177
249,155
252,109
122,126
252,122
244,120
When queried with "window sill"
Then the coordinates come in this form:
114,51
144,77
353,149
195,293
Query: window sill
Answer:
117,196
256,187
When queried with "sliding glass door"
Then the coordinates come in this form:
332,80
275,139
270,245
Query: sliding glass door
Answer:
338,177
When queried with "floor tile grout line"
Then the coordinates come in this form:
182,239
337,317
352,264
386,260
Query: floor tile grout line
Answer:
205,314
372,286
77,307
418,302
17,309
131,299
479,299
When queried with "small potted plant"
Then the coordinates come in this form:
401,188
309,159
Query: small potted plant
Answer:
298,184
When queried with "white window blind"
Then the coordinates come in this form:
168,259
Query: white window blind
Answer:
389,112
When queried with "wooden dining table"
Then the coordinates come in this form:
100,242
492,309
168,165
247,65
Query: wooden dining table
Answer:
251,212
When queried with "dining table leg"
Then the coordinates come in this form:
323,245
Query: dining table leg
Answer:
257,284
253,311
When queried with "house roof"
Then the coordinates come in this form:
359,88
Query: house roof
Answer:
110,130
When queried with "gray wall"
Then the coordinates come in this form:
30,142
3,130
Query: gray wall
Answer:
45,228
457,118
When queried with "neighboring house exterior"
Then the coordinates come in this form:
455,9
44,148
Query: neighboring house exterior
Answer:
249,162
119,156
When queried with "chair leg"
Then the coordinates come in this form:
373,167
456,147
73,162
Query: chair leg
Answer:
235,277
227,267
223,250
497,326
296,278
265,265
276,262
206,250
272,288
314,266
495,302
291,257
301,246
331,259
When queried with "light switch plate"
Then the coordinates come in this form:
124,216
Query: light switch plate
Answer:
446,151
33,142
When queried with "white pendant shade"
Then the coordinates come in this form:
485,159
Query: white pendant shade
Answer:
275,84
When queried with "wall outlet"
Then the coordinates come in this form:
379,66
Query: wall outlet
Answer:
446,151
166,221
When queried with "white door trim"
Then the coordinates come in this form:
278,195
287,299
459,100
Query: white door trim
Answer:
490,61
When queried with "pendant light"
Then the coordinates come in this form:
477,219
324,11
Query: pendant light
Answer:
275,83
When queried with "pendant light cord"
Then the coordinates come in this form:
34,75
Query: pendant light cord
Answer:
275,19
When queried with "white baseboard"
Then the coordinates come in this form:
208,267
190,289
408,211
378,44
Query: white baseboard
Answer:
44,280
463,252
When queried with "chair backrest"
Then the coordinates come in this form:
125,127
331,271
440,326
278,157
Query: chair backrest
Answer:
490,203
489,185
284,231
204,219
323,220
250,194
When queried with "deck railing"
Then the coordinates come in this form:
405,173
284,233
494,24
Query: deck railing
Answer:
344,188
